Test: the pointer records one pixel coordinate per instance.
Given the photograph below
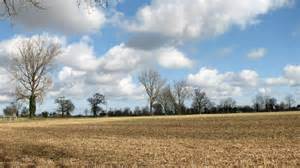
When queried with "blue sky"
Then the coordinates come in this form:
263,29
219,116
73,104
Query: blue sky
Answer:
228,50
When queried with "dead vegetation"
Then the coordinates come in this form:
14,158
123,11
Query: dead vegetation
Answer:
266,140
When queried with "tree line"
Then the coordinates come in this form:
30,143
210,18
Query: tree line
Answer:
166,99
166,104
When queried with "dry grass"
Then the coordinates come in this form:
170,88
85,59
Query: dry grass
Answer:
247,140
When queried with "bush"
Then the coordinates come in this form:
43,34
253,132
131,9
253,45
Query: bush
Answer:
10,110
45,114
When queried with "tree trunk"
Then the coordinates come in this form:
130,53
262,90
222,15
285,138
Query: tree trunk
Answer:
199,110
151,105
174,112
95,111
32,106
62,111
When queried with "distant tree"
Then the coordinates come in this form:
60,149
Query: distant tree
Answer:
258,103
86,112
30,68
290,101
45,114
53,114
18,106
127,111
153,83
145,111
167,100
245,108
181,93
282,106
137,111
24,112
11,110
158,109
65,106
270,103
95,103
200,101
228,105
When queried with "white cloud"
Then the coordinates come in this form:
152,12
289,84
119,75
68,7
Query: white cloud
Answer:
80,56
219,85
200,18
9,47
110,74
291,77
276,81
173,59
5,99
292,74
61,15
6,86
84,72
68,72
257,53
122,58
249,77
265,91
128,87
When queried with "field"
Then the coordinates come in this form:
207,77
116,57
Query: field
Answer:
237,140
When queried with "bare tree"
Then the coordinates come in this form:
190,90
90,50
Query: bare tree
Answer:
200,101
153,83
228,104
95,103
181,93
30,68
290,101
166,100
65,106
258,103
270,103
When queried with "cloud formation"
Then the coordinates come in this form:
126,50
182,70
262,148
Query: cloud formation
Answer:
113,71
227,84
291,77
61,15
200,19
5,86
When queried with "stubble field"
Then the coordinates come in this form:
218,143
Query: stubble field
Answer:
238,140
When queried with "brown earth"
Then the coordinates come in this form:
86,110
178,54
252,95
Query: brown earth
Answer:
237,140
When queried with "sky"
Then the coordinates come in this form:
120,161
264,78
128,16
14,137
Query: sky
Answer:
229,48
